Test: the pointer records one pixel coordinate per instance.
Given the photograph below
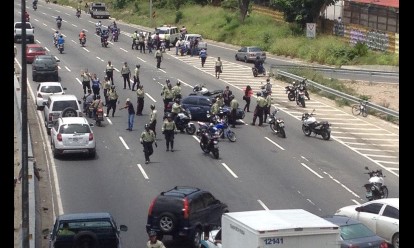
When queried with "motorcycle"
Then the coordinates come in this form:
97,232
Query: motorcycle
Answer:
34,7
224,130
99,117
60,48
291,92
276,124
209,142
303,84
376,188
200,89
98,31
78,14
300,96
257,72
59,24
83,41
183,122
115,34
104,41
310,125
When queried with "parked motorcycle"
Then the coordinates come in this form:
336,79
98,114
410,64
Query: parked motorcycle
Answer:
200,89
61,48
376,188
223,128
276,124
304,87
257,72
99,117
83,41
310,125
209,142
300,96
183,122
291,92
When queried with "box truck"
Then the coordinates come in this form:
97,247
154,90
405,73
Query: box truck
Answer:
290,228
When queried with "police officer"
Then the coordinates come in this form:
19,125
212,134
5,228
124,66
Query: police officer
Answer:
215,108
147,138
177,90
158,57
176,109
106,87
136,77
266,110
153,119
169,129
258,112
234,104
140,99
153,242
86,80
134,37
110,71
220,100
113,98
167,94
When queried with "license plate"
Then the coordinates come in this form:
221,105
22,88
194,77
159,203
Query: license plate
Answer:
75,139
281,124
269,120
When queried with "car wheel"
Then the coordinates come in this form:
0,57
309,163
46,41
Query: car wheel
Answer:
237,58
195,241
167,222
55,151
245,59
92,153
396,240
69,112
85,239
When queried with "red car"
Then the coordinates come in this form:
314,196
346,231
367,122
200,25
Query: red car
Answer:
32,50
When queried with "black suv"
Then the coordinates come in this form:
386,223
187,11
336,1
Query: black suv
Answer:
45,66
182,212
86,230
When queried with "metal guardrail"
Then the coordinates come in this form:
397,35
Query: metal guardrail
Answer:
338,93
341,70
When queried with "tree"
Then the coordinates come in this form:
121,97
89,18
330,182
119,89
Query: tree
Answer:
244,7
302,11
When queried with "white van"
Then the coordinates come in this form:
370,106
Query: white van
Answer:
172,31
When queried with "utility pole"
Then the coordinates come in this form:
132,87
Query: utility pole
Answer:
24,156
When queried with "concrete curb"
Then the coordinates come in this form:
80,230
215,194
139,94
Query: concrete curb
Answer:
33,184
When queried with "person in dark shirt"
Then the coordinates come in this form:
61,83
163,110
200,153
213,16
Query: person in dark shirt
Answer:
131,113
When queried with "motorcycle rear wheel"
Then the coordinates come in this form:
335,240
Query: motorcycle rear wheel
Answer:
291,96
326,135
273,127
282,132
216,153
190,129
231,135
306,130
384,192
302,102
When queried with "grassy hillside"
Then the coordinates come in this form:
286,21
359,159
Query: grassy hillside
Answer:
223,25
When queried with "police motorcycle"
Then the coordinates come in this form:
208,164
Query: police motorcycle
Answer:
59,23
104,37
276,124
375,188
209,140
200,89
183,122
300,95
223,127
78,13
34,5
290,90
310,125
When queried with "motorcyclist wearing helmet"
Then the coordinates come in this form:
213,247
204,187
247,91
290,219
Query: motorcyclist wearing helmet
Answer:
59,21
60,40
169,128
97,104
147,138
81,36
258,64
153,242
104,35
177,90
98,27
55,37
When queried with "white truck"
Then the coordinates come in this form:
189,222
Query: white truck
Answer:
18,32
290,228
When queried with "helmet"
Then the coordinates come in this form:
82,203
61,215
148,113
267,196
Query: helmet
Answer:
178,82
61,36
147,127
167,81
98,97
138,66
177,100
268,80
58,16
152,106
258,93
169,115
151,233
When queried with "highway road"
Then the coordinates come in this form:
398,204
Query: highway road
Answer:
258,171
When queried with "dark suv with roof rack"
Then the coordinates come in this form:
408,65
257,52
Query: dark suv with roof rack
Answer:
182,212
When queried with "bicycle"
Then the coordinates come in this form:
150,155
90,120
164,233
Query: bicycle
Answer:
360,109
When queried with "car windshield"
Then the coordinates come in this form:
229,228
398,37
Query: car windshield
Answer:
98,8
51,89
98,226
162,31
74,128
43,60
355,231
255,49
36,49
19,25
61,105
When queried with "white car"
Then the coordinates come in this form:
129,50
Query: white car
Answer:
381,216
213,240
201,43
72,135
45,89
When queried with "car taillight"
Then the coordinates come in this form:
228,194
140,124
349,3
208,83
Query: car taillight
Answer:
186,208
151,206
90,136
383,245
59,137
50,117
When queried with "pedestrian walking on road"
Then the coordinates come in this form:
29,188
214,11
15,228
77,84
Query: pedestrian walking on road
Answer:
153,119
126,75
169,129
86,80
110,71
131,113
140,99
147,138
106,88
158,57
248,92
234,105
136,77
